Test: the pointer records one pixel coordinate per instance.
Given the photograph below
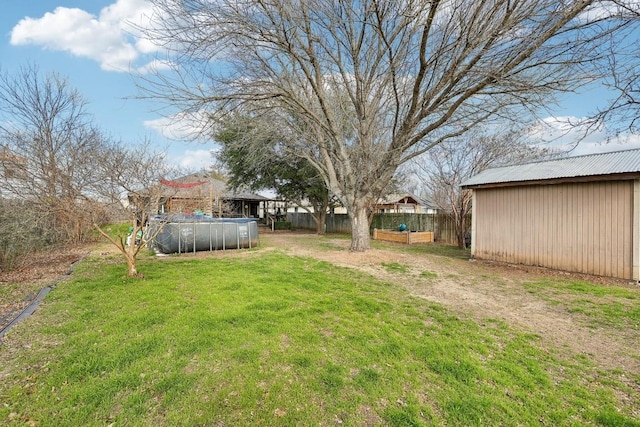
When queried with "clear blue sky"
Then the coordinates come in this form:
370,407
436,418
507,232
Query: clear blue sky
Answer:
91,44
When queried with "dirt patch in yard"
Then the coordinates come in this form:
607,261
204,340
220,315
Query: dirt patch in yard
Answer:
19,287
481,291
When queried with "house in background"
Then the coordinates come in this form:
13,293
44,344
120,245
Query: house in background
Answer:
199,192
392,203
402,203
579,214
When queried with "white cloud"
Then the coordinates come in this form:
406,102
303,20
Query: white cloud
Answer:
192,160
623,143
153,66
172,128
573,133
181,126
603,10
112,38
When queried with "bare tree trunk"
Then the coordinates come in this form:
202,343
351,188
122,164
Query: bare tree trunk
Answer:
131,254
460,230
360,238
321,219
132,265
130,251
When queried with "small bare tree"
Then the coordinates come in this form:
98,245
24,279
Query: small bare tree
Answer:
362,87
446,166
130,187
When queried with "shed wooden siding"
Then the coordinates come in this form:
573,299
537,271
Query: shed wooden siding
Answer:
582,227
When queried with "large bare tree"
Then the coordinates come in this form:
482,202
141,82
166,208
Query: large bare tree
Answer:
373,83
446,166
49,149
67,175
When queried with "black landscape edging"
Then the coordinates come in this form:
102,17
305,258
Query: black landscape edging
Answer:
27,311
33,305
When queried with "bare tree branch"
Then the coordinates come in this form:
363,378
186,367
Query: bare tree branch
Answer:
377,83
446,166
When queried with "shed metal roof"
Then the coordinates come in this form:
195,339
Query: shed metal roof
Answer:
617,162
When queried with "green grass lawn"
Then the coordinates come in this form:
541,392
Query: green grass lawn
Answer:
269,339
600,305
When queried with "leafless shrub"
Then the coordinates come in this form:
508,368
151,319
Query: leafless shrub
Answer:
22,232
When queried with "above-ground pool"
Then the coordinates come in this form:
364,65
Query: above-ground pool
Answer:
191,233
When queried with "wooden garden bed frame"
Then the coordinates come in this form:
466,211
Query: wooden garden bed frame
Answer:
405,237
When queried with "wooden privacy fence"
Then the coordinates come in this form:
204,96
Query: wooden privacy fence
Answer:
440,224
414,222
337,223
445,229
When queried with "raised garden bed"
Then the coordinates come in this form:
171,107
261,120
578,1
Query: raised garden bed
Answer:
406,237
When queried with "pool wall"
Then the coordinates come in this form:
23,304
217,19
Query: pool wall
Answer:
204,235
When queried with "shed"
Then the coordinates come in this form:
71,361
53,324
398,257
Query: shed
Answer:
579,214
